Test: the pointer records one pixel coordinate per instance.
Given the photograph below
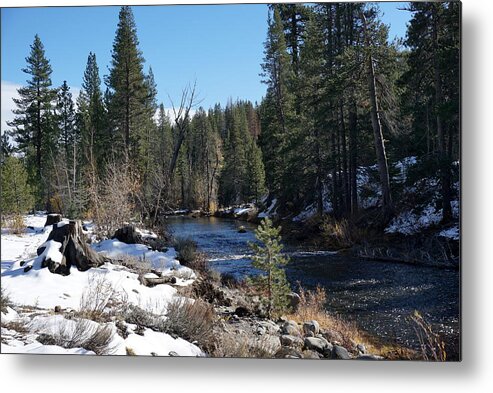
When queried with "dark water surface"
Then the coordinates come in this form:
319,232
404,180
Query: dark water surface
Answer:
377,296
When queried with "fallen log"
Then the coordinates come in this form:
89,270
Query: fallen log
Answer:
153,281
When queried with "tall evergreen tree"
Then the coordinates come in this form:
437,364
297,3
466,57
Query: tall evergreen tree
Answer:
128,87
434,85
33,126
277,108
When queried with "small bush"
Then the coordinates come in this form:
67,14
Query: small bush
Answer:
16,224
99,297
247,345
83,334
186,249
344,233
4,301
192,320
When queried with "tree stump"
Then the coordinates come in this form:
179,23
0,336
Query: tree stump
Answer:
53,219
75,250
128,235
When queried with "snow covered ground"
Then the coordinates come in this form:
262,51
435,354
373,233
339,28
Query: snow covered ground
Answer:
40,290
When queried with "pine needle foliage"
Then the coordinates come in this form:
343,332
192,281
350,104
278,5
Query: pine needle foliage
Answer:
269,258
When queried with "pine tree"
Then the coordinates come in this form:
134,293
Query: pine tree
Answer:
268,258
277,114
313,143
33,126
255,177
128,86
65,165
96,140
6,148
16,196
433,40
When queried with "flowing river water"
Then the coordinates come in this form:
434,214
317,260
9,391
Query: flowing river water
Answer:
378,296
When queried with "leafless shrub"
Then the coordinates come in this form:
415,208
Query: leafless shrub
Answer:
83,334
431,345
99,341
136,265
246,345
98,297
4,300
192,320
16,224
186,249
116,198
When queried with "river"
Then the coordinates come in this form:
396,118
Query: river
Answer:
378,296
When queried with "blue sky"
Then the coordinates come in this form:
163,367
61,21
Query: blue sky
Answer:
219,46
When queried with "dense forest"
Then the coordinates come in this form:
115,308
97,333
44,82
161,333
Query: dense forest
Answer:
340,97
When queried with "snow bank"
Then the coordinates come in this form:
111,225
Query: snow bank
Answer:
165,262
41,288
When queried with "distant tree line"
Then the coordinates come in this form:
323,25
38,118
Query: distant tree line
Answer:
339,96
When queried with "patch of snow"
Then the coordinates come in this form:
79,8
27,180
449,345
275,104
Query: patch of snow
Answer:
157,344
39,348
10,316
270,210
451,233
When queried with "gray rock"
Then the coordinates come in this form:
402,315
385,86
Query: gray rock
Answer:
361,349
173,354
294,301
291,328
327,352
58,309
311,326
332,336
309,354
309,334
291,341
288,353
339,352
316,344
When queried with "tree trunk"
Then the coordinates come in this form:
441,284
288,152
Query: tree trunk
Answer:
383,169
442,156
353,145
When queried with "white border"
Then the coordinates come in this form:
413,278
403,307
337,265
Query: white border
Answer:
80,374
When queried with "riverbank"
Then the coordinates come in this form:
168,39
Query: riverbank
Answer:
379,297
355,239
197,312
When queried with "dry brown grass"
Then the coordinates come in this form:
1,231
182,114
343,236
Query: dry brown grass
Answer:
342,233
247,345
312,307
432,346
83,334
16,224
100,300
192,320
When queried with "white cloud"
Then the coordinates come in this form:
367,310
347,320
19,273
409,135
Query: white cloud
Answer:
170,113
9,91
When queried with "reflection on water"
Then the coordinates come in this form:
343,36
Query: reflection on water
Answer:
377,296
